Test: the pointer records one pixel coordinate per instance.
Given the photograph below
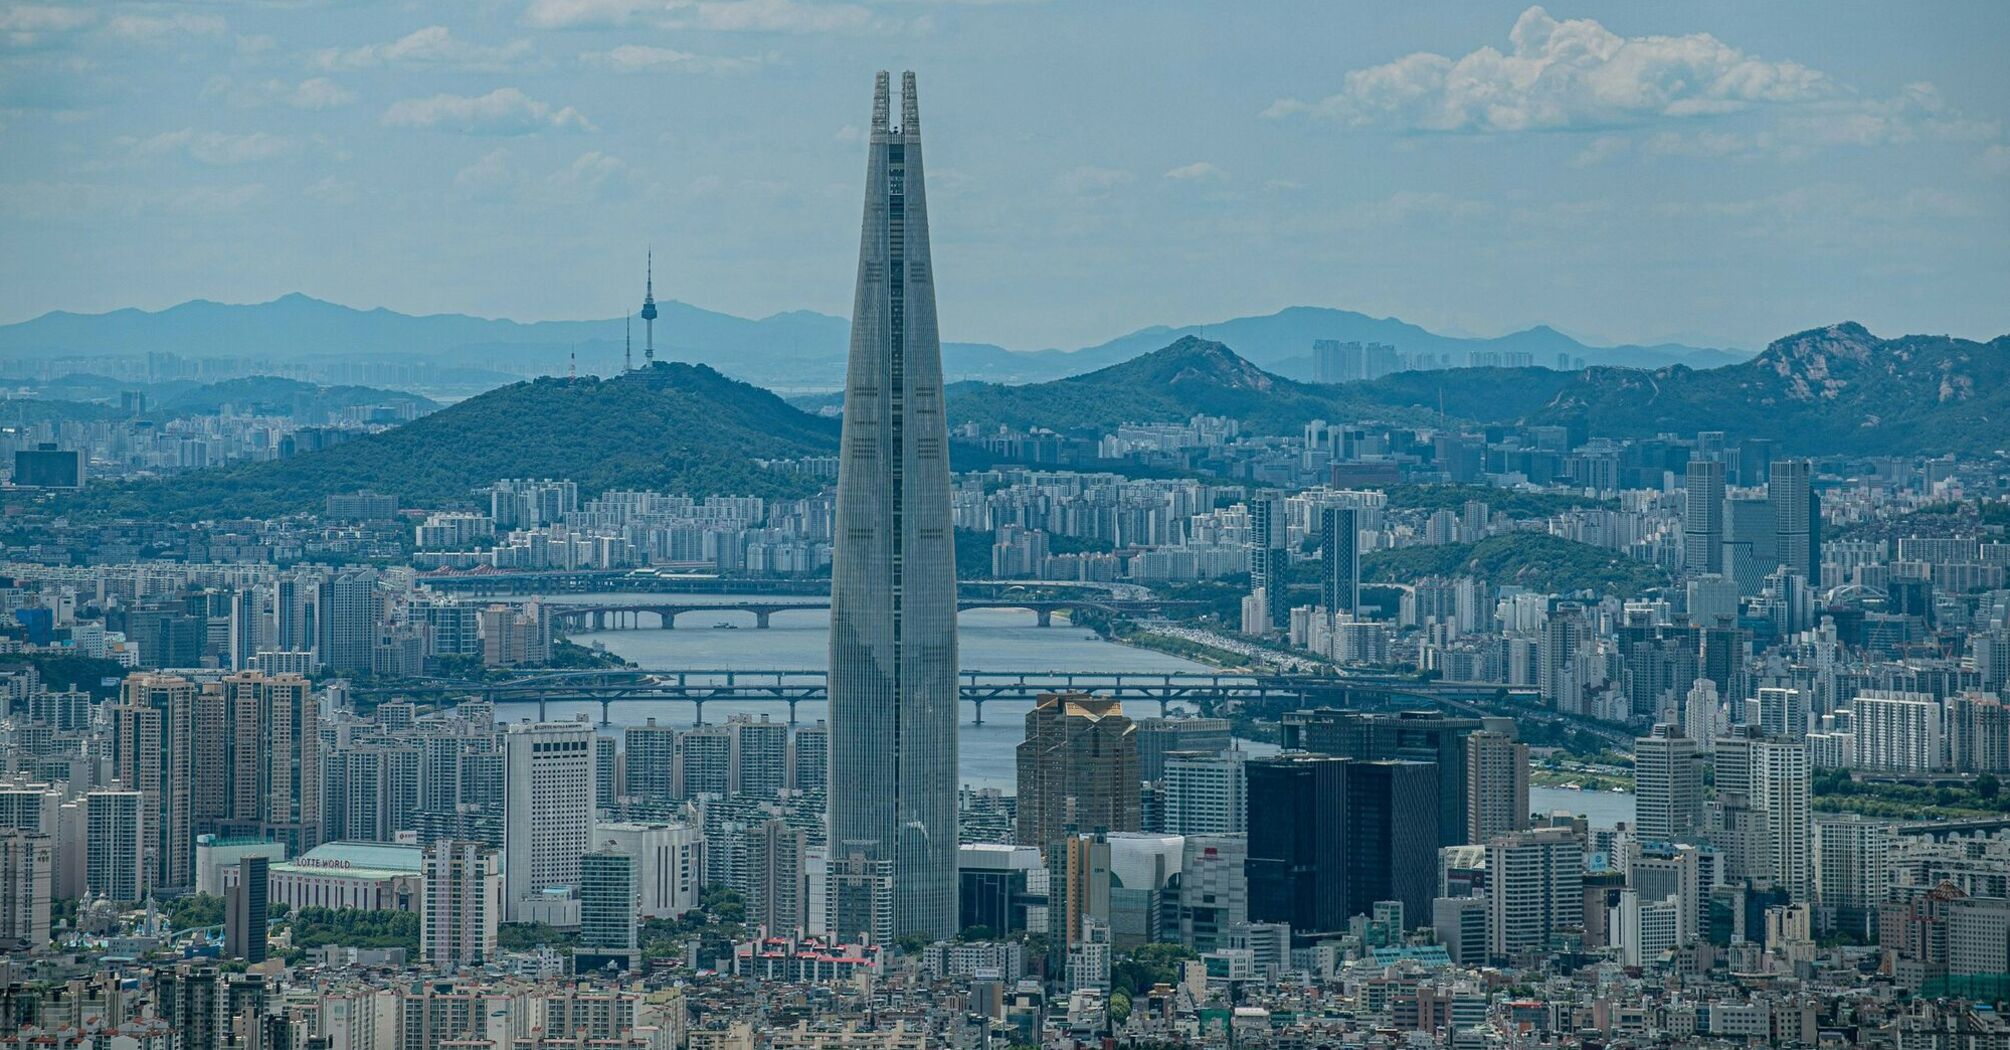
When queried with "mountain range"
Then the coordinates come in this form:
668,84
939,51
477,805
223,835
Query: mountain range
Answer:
1828,391
1837,390
796,350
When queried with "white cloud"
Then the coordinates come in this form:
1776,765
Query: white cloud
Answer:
585,178
331,190
639,58
1089,180
1917,111
211,147
317,93
504,111
486,176
1198,171
774,16
64,201
568,14
155,27
25,25
496,177
431,46
1996,159
1562,74
312,93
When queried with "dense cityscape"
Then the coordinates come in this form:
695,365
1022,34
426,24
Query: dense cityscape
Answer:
1399,695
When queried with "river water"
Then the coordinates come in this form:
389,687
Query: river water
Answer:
987,639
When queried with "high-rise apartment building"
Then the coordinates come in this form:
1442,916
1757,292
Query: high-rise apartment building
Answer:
346,618
1852,860
1204,793
1668,775
760,761
27,881
460,904
893,691
1898,731
548,808
607,922
116,844
1078,769
1159,737
1496,785
1535,889
153,752
669,864
270,769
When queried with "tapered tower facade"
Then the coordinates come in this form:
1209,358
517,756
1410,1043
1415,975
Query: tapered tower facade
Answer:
893,688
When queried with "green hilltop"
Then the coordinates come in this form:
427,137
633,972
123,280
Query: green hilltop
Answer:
673,426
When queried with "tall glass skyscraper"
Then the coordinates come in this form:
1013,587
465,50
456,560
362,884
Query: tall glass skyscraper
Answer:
893,575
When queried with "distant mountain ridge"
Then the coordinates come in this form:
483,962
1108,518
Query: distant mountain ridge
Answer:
797,349
1834,390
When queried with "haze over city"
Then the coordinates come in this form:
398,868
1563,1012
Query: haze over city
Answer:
1716,174
789,525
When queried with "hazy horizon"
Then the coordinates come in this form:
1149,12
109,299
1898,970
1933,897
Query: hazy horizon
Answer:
1711,174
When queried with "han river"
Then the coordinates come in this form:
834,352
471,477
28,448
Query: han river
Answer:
987,639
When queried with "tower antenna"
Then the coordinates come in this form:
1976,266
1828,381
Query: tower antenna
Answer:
627,345
649,311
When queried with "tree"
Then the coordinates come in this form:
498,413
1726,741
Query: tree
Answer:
1988,787
1120,1006
1152,964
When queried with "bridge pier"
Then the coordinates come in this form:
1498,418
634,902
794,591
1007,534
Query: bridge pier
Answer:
1163,702
979,706
698,718
599,621
606,713
1045,617
541,715
669,620
761,618
792,712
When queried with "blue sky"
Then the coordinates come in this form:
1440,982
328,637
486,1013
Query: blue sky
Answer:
1712,172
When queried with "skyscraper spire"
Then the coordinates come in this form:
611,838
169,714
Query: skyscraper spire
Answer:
649,312
893,689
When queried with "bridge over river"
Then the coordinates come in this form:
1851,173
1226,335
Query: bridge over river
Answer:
616,616
1207,692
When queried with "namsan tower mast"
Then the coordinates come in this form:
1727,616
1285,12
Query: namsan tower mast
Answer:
649,311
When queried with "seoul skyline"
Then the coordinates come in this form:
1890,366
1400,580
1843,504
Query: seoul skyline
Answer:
1710,174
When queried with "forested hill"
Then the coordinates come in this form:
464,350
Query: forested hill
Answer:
675,426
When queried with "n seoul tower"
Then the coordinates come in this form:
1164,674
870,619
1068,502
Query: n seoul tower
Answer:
649,312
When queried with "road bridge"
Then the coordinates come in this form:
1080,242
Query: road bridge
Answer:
1207,692
616,616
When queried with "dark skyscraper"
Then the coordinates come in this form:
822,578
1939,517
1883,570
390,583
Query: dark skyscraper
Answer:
1797,515
1409,736
244,911
1329,837
1703,517
1269,558
893,687
1339,560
